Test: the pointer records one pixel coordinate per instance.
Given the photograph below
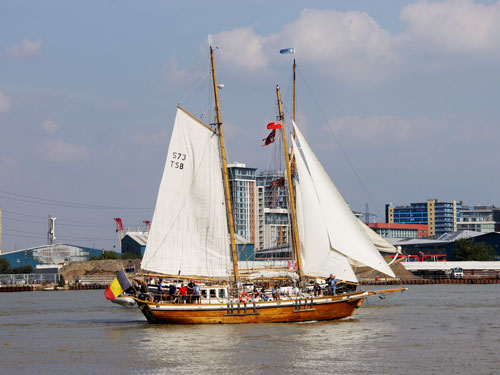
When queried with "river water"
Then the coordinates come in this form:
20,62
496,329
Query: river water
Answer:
430,329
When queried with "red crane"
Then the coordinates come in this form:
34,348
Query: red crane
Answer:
119,227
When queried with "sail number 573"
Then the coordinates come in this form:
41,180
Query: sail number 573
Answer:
177,161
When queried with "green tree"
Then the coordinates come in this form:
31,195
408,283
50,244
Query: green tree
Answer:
61,282
106,254
4,266
23,269
469,250
130,256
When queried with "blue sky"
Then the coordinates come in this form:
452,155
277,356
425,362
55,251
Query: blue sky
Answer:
88,91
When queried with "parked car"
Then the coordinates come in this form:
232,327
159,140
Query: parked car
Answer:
457,273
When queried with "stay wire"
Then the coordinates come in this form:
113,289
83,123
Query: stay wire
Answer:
194,87
393,298
332,133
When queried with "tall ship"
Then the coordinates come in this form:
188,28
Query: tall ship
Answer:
192,236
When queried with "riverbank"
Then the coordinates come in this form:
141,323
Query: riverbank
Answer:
36,288
421,281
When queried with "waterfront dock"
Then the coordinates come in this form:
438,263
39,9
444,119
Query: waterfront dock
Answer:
421,281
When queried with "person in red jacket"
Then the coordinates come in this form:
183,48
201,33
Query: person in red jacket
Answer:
183,293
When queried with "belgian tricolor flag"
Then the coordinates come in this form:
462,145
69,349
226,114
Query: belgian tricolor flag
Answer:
118,286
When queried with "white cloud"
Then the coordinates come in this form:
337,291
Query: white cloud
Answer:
173,73
243,48
353,47
24,48
349,43
49,126
454,26
4,102
346,44
61,151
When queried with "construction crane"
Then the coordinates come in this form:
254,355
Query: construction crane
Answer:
119,228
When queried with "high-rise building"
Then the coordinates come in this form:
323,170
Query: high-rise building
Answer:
441,217
273,213
484,219
242,186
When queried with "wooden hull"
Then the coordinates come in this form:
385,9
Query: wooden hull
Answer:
291,310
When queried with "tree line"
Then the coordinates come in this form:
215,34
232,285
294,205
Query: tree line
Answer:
6,268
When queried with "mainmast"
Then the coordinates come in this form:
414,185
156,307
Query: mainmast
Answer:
295,237
294,96
224,170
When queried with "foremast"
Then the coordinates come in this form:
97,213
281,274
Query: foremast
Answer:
224,171
295,236
294,96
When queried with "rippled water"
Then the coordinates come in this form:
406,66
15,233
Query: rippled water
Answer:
431,329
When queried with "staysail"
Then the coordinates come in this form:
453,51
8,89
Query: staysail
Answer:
345,234
189,230
377,240
318,258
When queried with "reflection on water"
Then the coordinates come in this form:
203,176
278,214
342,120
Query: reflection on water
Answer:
430,329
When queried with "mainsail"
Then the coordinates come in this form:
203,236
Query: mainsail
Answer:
189,230
345,234
318,258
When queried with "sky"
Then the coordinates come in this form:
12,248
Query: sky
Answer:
397,99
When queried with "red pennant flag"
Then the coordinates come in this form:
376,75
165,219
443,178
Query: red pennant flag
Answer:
277,183
270,138
274,125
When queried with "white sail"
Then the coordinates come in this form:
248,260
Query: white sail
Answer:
318,258
377,240
189,231
345,234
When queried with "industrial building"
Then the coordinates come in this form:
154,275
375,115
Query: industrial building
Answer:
134,243
442,248
49,256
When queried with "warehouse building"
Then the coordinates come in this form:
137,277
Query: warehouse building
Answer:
44,256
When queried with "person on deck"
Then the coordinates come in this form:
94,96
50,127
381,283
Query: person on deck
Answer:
317,290
263,295
183,293
160,289
190,290
172,292
197,293
255,293
332,285
275,293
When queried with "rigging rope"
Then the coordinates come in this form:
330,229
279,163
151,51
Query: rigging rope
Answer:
194,87
334,136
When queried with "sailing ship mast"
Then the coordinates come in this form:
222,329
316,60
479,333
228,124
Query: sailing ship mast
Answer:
294,97
295,236
224,171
